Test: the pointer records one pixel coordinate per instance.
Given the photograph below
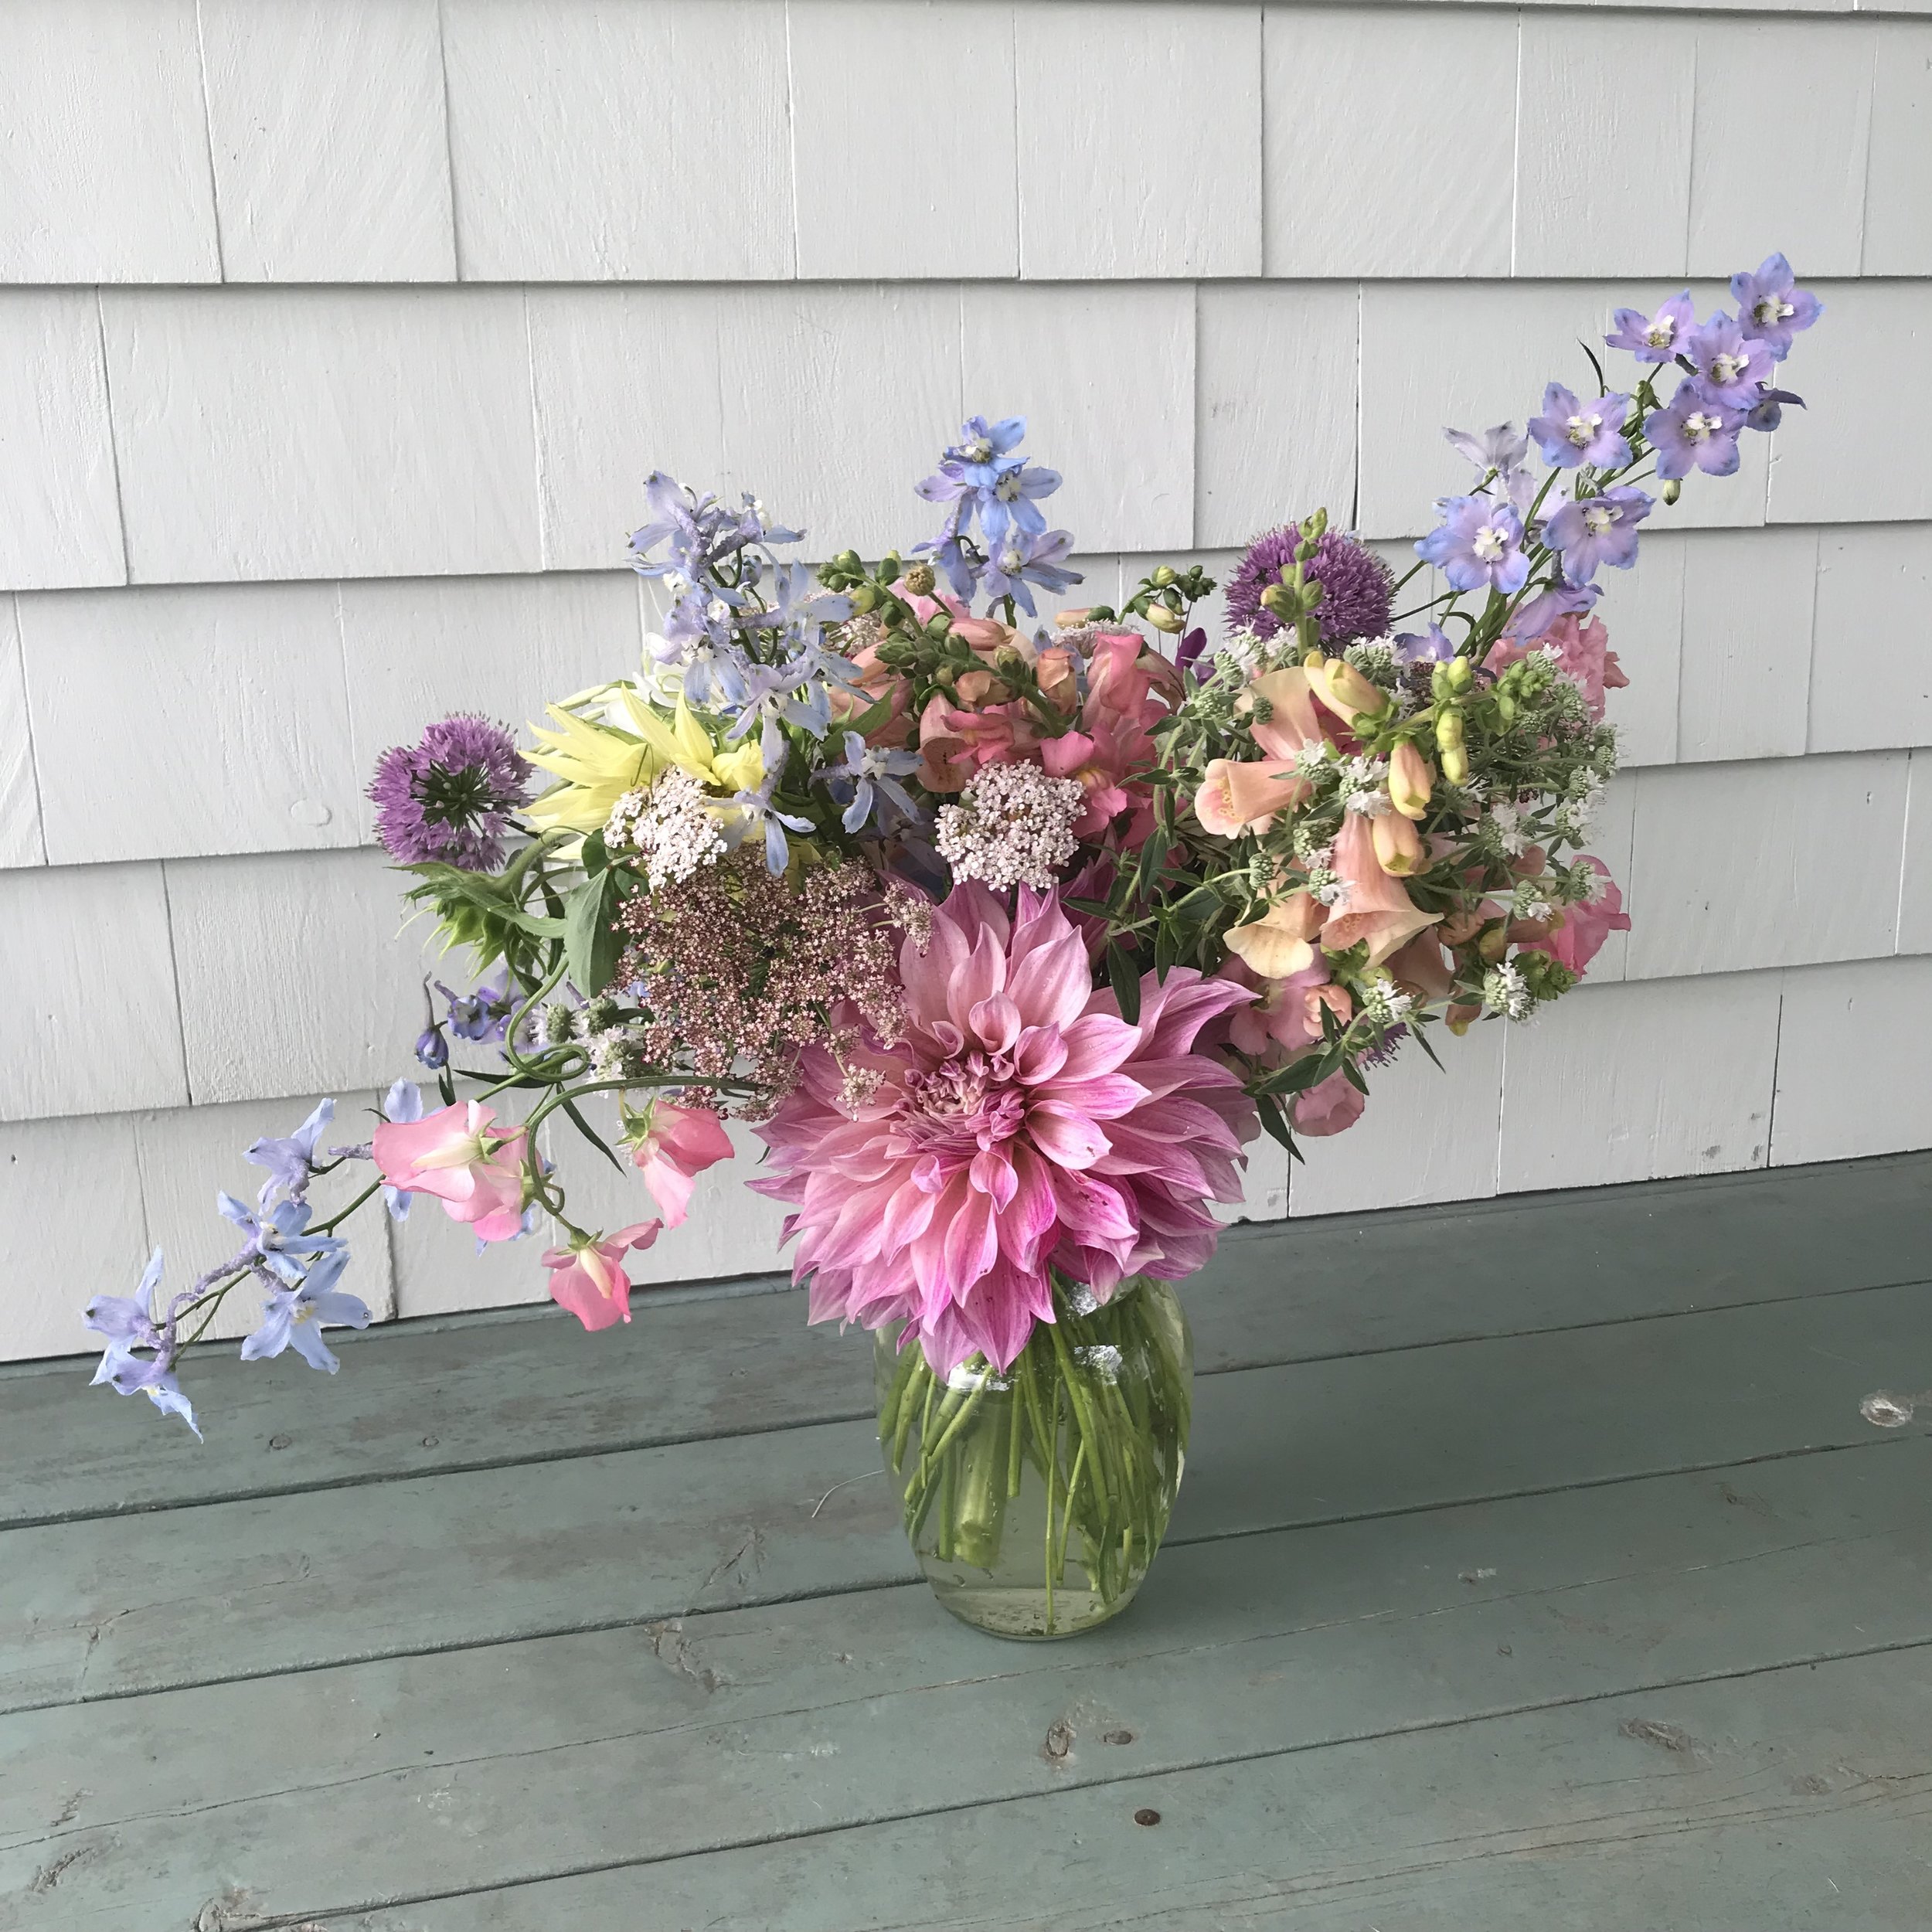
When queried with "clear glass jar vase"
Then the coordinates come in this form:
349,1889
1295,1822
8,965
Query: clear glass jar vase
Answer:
1035,1500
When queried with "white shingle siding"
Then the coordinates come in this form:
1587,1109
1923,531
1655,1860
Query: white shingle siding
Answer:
1233,259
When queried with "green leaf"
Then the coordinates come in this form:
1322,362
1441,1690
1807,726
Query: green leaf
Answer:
1126,983
595,857
1352,1074
590,1134
1094,908
1274,1121
1167,951
591,941
1422,1040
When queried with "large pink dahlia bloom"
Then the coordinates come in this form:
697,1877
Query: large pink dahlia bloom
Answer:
1018,1125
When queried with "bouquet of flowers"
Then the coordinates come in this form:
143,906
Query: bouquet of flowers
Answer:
1008,932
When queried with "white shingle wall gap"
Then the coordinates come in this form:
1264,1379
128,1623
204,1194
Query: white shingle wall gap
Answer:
1233,259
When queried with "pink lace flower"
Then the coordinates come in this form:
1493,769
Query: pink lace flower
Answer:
474,1169
1019,1125
590,1281
670,1146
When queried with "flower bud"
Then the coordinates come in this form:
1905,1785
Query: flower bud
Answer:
1281,600
864,596
1162,577
920,580
1071,620
1345,692
1493,942
847,561
1455,765
1009,658
432,1048
938,624
1398,845
1163,619
1462,674
1411,779
1671,491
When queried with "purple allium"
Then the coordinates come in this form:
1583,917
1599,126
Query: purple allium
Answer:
448,798
1729,365
1597,531
1570,433
1654,338
1693,433
1771,307
1357,587
1478,546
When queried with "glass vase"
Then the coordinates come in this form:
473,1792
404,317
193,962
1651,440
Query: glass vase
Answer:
1034,1499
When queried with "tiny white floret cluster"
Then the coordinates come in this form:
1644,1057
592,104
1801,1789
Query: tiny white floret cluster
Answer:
672,825
1013,826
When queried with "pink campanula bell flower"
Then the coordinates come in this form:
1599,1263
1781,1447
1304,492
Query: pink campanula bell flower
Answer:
590,1280
670,1146
1017,1125
473,1167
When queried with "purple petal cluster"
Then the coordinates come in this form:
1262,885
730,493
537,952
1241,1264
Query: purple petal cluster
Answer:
1598,530
447,799
1357,588
981,478
1571,433
1478,546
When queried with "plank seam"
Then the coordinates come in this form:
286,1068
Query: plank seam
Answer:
1214,1762
664,1613
631,1446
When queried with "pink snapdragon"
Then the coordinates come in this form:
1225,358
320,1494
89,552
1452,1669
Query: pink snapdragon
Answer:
1018,1126
1581,938
588,1277
474,1169
670,1146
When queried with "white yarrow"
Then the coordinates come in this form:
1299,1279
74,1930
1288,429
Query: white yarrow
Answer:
1013,826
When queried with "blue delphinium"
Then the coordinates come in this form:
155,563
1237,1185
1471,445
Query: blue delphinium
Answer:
1654,338
1570,433
1772,306
1694,433
1478,546
981,479
276,1237
872,773
295,1314
1023,560
291,1162
1598,530
128,1323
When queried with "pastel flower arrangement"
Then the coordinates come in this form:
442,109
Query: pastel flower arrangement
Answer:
1007,932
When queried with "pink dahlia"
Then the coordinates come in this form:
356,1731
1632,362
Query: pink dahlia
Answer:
1018,1126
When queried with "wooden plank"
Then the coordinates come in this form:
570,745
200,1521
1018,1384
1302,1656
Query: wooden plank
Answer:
345,176
579,132
91,1609
1869,689
1898,211
477,1393
105,145
1783,896
1430,195
1795,1798
1829,1015
86,1028
1158,172
1602,168
277,772
1105,376
878,192
21,843
1830,467
407,450
1667,1076
1744,691
1270,451
59,503
489,1767
1816,75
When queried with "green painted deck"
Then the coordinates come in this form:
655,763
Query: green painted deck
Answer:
1535,1567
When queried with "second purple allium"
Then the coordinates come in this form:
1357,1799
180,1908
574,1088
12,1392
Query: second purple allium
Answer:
1357,587
448,797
